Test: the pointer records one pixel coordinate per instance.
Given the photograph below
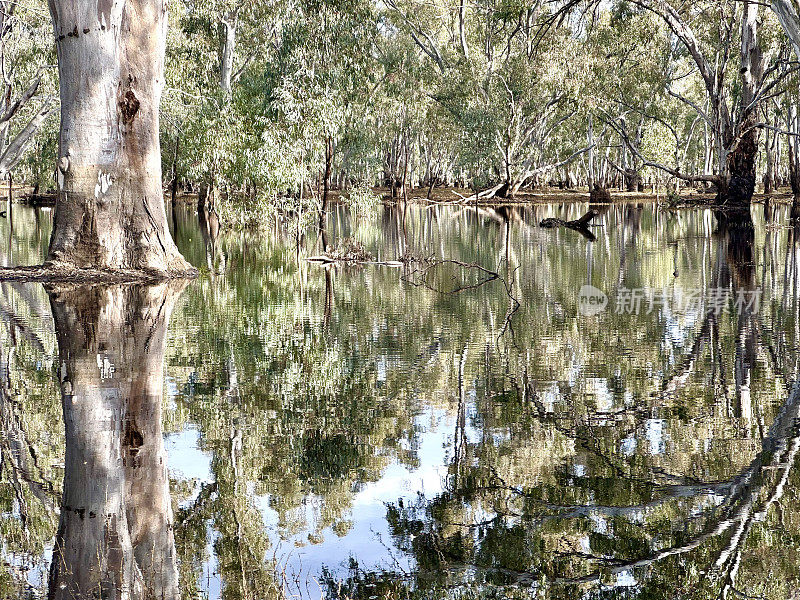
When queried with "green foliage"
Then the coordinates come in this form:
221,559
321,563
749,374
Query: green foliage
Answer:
362,202
428,92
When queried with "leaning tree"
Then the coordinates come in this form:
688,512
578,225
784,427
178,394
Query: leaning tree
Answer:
110,210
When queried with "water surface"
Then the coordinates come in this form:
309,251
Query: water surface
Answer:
453,428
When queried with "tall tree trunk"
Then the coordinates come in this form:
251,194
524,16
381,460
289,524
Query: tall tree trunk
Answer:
590,142
790,22
115,536
174,186
326,186
227,53
742,159
769,143
405,171
793,127
462,25
794,170
110,209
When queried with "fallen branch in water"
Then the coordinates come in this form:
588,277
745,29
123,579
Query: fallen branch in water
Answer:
418,277
580,225
326,260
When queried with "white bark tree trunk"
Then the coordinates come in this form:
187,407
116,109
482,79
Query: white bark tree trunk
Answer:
110,210
115,535
742,157
787,13
228,53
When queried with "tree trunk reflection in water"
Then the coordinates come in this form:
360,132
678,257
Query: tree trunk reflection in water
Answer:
736,238
115,537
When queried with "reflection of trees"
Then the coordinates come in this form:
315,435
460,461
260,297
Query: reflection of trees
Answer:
209,230
291,419
115,532
553,495
30,447
582,452
553,477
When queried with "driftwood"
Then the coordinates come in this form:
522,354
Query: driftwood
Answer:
326,259
580,225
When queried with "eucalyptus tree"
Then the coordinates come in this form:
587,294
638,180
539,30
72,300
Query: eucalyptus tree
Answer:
25,75
788,13
489,61
205,103
630,63
323,74
734,89
110,211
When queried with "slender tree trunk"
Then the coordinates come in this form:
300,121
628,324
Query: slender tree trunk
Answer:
174,190
794,169
768,158
790,22
326,186
405,171
110,209
115,535
462,25
590,168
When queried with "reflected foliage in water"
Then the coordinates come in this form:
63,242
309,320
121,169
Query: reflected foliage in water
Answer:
435,430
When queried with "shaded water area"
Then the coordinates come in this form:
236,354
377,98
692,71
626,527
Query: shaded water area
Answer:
447,429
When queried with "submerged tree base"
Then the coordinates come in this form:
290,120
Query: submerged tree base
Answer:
52,273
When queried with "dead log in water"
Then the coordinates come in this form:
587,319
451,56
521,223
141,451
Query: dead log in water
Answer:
580,225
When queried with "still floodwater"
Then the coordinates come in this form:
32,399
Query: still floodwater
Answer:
439,430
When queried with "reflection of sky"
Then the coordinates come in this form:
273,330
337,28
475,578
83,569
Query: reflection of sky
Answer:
655,433
184,457
368,539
